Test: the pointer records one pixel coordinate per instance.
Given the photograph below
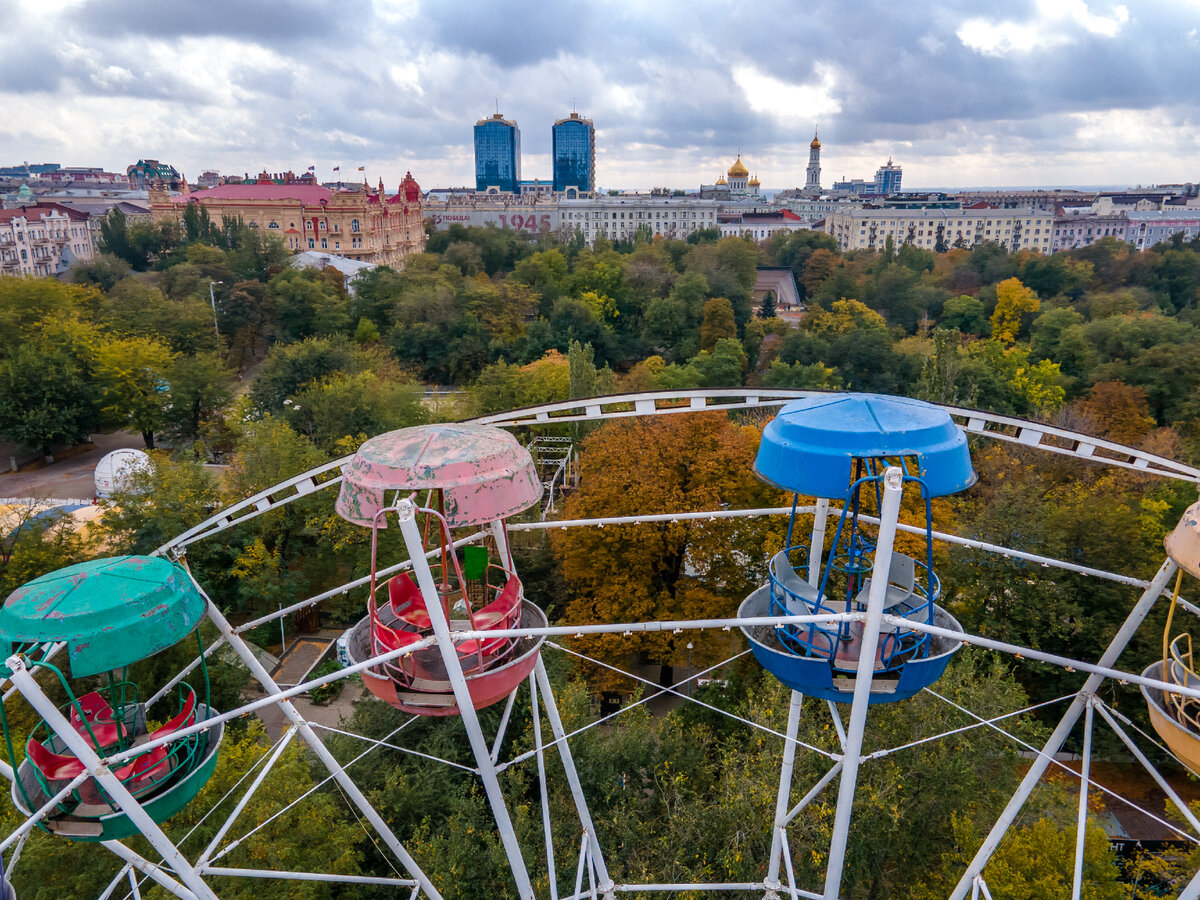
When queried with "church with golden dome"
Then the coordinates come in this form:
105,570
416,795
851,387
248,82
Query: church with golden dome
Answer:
739,184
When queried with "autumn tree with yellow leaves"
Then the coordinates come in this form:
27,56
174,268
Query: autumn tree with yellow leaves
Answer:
691,569
1013,300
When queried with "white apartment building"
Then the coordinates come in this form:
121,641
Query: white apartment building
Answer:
42,241
933,228
614,217
1074,230
621,217
1147,228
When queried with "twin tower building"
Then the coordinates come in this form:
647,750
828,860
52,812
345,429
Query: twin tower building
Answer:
498,157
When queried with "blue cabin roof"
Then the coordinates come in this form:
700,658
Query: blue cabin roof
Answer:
809,447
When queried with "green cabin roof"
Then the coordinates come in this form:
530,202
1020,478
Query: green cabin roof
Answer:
111,612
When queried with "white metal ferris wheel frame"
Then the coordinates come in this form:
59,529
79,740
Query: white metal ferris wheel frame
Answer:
186,879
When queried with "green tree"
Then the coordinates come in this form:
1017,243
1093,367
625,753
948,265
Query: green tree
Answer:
354,405
289,368
308,305
46,398
33,544
767,309
718,322
132,376
158,503
199,391
964,313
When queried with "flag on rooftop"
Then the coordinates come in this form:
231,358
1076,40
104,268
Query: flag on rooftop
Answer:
362,168
312,168
337,168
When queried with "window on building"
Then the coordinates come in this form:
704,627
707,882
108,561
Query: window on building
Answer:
311,244
273,225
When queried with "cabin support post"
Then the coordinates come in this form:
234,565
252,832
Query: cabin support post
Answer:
406,513
893,488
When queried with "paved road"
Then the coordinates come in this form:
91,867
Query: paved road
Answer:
67,478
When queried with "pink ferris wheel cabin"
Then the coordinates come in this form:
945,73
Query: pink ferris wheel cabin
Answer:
457,477
484,473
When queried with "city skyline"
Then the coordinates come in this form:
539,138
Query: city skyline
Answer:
1044,93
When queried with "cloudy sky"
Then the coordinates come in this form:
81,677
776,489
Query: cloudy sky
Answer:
1021,92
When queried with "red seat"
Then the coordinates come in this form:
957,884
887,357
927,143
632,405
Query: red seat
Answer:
503,612
98,717
394,638
407,602
51,765
155,763
94,707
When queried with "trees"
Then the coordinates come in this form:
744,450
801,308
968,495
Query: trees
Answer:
672,569
767,309
45,399
718,322
1013,300
132,374
199,390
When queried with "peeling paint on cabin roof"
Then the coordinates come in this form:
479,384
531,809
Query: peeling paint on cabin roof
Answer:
110,611
483,472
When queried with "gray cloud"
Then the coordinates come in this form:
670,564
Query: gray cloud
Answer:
273,22
302,80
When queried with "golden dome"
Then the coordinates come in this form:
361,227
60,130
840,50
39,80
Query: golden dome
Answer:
815,145
754,182
738,169
721,179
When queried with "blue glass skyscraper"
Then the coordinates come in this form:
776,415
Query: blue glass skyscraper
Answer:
574,152
497,154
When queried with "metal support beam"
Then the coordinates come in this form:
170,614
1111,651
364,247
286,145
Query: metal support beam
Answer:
1038,767
1192,891
816,544
268,764
551,869
1081,822
503,726
591,839
309,876
785,791
893,489
152,871
86,754
813,792
310,737
1183,808
406,514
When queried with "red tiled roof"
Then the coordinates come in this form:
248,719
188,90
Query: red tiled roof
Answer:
308,194
36,213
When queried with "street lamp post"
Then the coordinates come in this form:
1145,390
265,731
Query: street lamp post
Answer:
213,300
689,650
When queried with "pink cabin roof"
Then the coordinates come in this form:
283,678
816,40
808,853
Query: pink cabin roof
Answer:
484,472
308,194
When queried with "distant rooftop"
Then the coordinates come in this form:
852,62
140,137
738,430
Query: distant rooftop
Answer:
309,194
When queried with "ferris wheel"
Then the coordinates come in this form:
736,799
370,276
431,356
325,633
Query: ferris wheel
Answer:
846,618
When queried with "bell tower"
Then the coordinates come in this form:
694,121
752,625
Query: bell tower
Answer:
812,181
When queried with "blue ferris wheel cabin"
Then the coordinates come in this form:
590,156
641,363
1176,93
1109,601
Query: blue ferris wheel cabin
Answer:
836,447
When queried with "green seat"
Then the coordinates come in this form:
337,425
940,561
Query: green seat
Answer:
474,562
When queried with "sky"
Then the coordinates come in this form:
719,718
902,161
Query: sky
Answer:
959,93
